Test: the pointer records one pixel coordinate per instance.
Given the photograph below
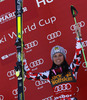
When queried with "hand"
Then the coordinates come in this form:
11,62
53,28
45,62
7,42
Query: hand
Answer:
23,55
78,31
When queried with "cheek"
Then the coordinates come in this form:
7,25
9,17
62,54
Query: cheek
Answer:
54,60
61,59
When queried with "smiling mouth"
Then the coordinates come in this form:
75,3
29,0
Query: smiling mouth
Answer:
58,61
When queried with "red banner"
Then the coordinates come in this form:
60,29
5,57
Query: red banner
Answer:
46,23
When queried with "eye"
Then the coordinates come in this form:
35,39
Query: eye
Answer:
60,55
55,56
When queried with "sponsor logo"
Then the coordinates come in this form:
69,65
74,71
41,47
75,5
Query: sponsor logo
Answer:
15,92
2,0
36,63
40,84
1,97
43,1
25,65
77,89
58,79
81,24
84,66
31,44
4,57
19,7
7,55
48,98
63,96
53,35
11,74
65,51
84,43
50,20
9,16
62,87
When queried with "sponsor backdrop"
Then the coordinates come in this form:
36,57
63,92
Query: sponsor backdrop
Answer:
46,23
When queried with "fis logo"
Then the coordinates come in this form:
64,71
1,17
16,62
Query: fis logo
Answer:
1,97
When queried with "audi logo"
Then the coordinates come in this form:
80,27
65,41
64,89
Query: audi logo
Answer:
31,44
81,24
1,97
63,96
11,73
84,43
62,87
84,65
15,91
77,89
39,83
65,51
48,98
54,35
36,63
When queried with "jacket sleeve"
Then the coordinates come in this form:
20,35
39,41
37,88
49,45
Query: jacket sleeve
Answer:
35,76
77,59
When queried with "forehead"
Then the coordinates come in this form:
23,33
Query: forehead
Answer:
58,54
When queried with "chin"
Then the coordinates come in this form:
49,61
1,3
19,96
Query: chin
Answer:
58,64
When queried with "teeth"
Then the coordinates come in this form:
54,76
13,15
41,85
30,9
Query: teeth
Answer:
58,60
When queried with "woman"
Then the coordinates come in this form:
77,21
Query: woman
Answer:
62,76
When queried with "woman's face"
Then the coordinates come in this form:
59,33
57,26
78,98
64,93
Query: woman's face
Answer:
58,58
